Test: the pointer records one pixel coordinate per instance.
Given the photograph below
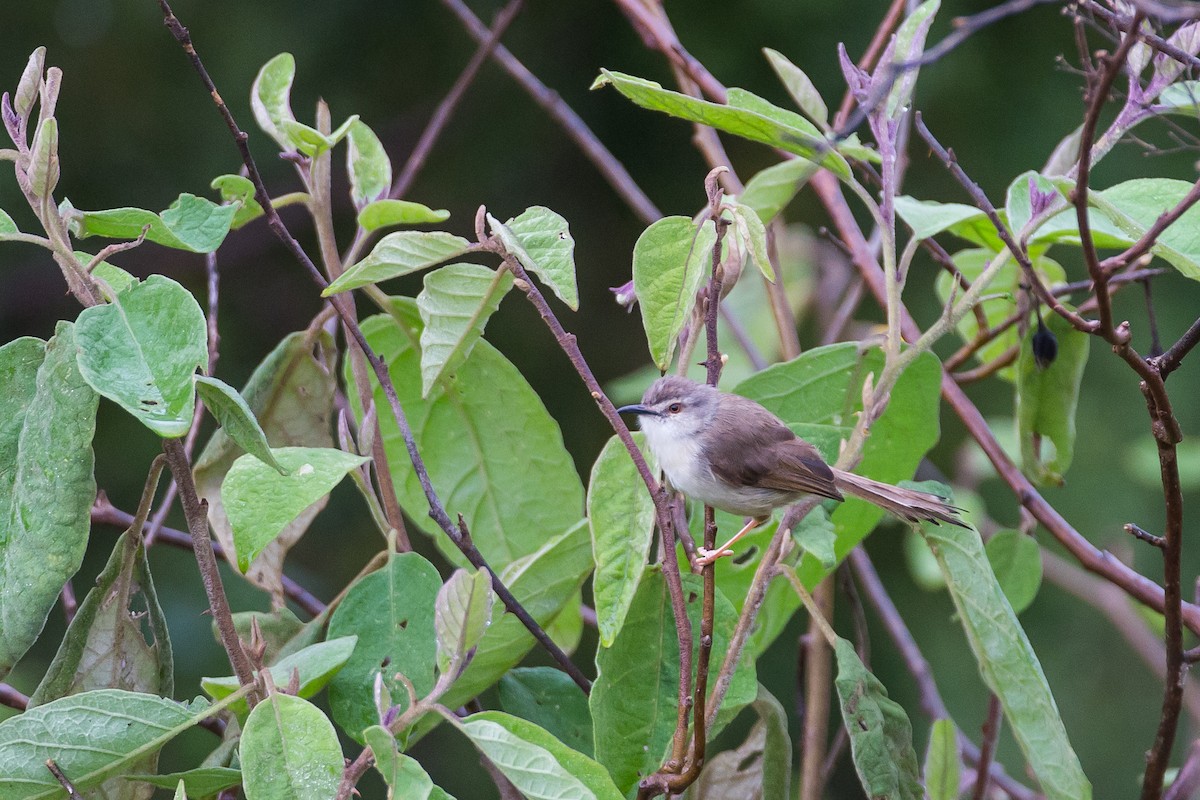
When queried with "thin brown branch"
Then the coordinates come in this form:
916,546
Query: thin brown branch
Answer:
104,513
445,110
63,780
342,304
1169,361
987,749
574,126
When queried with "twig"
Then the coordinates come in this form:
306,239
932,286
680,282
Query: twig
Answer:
63,780
870,58
456,534
818,677
1149,538
1169,361
576,129
195,511
1187,780
12,698
69,604
987,749
103,512
445,110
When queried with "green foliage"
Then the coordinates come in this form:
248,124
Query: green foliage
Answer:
620,515
312,667
142,351
541,240
1046,400
289,751
399,254
942,761
47,419
771,189
191,223
236,419
670,261
385,213
549,698
199,782
455,306
370,172
1016,560
462,613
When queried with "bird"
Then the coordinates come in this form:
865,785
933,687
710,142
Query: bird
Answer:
729,452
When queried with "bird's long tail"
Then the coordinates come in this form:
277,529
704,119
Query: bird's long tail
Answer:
907,504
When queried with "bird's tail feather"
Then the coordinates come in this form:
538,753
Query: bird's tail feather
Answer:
907,504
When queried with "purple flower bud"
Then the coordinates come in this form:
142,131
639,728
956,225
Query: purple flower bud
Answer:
625,295
1039,201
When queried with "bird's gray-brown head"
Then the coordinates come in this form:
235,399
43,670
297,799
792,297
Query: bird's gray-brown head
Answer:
675,407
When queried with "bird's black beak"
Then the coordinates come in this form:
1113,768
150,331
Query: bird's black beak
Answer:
637,409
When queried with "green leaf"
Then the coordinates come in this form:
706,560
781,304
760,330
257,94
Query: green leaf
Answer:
922,566
43,170
314,667
30,84
543,582
928,217
777,745
238,189
1134,206
455,306
47,418
6,223
260,502
289,751
368,166
291,393
549,698
817,536
670,261
750,230
270,97
461,615
399,254
909,45
804,141
199,782
819,395
620,515
880,733
1046,401
112,643
387,212
1001,301
118,279
771,189
799,86
236,419
1007,662
304,138
539,765
392,613
541,240
493,452
942,761
634,697
1016,561
92,737
191,223
142,351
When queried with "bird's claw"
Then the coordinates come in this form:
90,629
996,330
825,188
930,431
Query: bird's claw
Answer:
706,556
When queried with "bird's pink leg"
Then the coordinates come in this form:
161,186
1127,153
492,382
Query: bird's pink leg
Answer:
709,556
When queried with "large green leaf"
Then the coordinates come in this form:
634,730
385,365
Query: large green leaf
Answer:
493,452
47,418
1046,400
391,611
289,751
399,254
539,765
670,260
633,700
260,502
1134,206
880,733
541,240
118,638
455,306
621,517
199,782
547,696
819,395
291,394
797,136
1016,560
191,223
91,736
1007,662
142,351
406,779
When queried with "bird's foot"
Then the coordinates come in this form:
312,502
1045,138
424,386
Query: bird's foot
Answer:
706,556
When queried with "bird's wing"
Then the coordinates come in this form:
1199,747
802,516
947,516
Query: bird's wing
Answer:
759,450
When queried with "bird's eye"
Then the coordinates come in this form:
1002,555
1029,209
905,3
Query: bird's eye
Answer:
675,408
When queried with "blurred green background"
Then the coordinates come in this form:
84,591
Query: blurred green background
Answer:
137,129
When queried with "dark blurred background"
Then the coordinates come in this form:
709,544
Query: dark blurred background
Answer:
136,129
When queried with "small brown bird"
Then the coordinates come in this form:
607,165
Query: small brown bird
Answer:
731,453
